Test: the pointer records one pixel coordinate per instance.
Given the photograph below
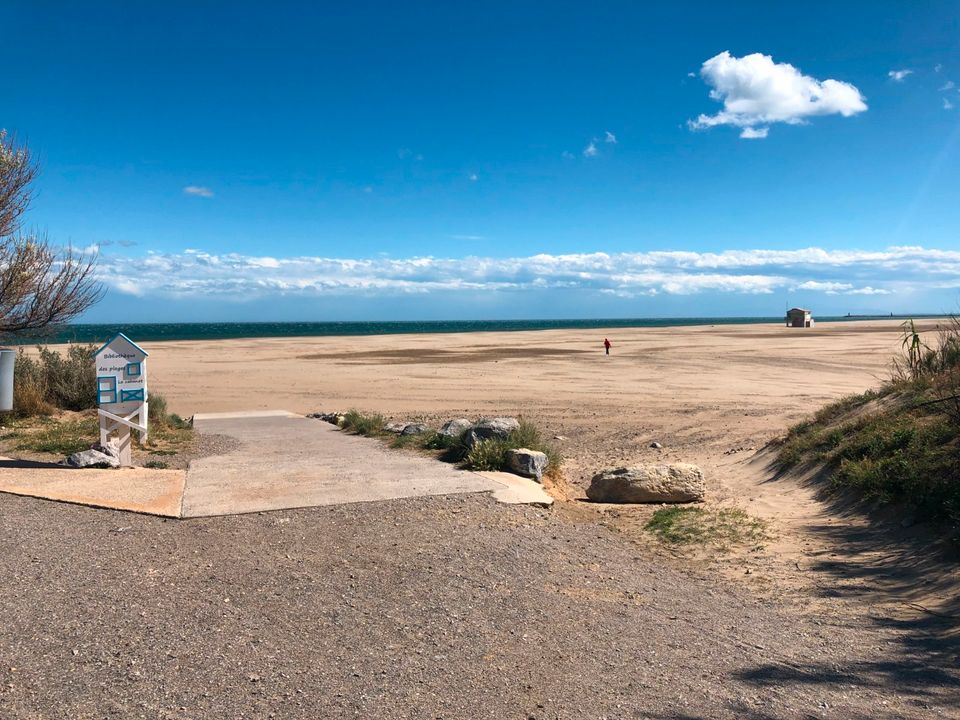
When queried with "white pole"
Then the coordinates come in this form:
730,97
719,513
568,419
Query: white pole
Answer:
7,358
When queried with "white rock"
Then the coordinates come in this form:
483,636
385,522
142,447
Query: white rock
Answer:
92,459
676,483
529,463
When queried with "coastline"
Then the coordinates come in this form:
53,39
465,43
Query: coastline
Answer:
161,332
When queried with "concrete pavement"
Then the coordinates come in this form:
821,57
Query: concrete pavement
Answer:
282,461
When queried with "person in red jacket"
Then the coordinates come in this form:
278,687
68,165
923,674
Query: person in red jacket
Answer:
606,345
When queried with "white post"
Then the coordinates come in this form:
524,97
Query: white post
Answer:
7,359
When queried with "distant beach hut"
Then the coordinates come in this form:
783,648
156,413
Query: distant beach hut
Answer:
799,318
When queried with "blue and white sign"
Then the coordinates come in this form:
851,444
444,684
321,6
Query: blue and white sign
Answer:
122,391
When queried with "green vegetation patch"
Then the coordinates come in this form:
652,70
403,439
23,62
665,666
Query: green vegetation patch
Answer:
904,450
484,455
357,422
722,528
492,454
63,437
49,381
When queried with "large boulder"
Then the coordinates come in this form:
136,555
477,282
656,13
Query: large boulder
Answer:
92,459
394,427
529,463
455,428
675,483
498,428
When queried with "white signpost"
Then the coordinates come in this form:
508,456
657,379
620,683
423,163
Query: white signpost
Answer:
122,392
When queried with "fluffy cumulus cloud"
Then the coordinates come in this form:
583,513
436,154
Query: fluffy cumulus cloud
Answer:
757,92
195,273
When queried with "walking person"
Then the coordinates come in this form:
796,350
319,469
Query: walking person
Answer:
607,345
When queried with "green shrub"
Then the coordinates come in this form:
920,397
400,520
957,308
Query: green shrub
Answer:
356,422
30,388
492,454
71,378
51,381
159,417
487,455
157,408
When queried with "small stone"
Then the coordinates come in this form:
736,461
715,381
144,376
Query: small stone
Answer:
655,445
394,427
414,429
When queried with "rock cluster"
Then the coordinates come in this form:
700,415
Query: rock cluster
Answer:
676,483
522,461
334,418
98,456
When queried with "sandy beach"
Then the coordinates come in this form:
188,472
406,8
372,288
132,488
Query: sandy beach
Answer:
700,391
579,602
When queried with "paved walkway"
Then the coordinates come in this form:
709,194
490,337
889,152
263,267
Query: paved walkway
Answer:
282,461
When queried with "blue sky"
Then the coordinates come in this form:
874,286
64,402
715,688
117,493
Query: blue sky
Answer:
271,161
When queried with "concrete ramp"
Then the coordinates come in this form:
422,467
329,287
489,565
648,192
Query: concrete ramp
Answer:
283,461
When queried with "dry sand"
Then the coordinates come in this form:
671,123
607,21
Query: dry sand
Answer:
712,395
700,391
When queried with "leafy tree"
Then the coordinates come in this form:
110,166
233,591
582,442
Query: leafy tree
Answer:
41,285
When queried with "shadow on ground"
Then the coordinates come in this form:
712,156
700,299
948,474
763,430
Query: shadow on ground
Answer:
906,575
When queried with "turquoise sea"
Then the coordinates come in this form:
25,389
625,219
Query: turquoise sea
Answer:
147,332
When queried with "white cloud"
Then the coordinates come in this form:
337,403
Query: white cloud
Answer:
567,155
666,272
591,149
609,137
751,133
868,291
947,105
473,177
831,288
937,68
899,75
948,85
756,91
198,191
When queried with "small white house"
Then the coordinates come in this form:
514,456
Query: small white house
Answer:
799,318
122,391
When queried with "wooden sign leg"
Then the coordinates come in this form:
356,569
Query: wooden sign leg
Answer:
126,438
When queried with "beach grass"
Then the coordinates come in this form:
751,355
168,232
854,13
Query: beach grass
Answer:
55,436
899,444
363,424
491,454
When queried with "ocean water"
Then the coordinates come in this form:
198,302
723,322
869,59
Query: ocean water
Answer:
153,332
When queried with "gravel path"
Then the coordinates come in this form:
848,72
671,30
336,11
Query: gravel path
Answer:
442,607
